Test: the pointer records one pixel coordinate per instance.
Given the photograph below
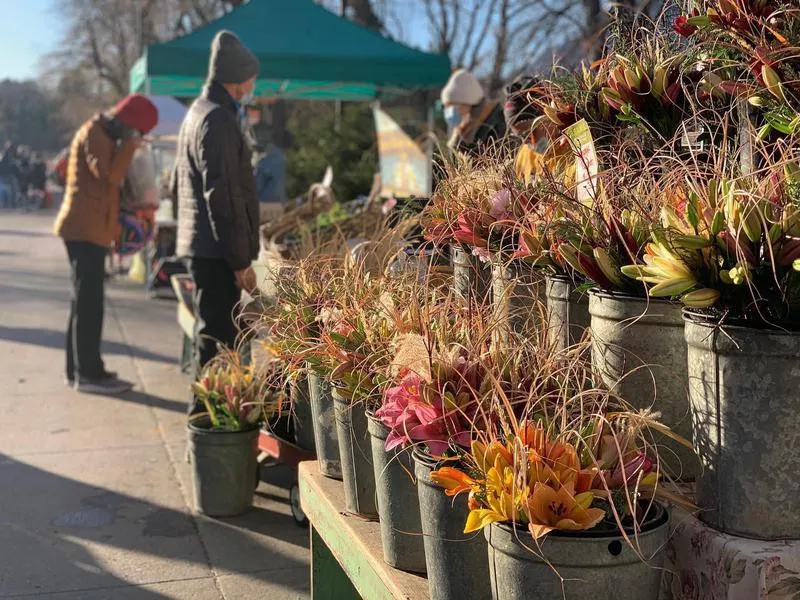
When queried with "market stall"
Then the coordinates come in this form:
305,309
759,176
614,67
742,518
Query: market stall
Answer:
599,402
306,52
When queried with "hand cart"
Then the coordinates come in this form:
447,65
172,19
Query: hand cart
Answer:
287,453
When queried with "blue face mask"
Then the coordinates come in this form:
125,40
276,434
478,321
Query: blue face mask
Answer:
452,116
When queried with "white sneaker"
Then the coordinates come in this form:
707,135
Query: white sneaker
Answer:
108,386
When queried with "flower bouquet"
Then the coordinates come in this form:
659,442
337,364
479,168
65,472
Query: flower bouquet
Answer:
728,254
581,475
222,440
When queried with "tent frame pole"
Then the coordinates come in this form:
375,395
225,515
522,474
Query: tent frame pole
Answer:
429,150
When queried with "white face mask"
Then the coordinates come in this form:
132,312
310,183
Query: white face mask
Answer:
247,97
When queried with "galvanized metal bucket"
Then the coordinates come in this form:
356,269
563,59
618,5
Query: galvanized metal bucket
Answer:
398,505
471,277
301,415
743,388
223,467
518,292
355,451
324,425
576,564
567,312
458,568
639,349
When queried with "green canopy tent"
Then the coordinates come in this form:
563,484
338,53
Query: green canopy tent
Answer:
306,52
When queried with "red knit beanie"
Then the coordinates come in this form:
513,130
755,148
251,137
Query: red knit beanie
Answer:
137,112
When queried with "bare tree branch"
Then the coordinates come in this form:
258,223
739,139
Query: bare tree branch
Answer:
475,58
363,14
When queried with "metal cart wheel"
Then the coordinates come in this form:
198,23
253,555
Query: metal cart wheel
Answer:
294,503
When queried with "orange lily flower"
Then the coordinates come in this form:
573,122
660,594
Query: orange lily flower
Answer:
561,509
503,497
487,456
452,480
553,462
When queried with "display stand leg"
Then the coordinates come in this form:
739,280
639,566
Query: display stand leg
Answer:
328,579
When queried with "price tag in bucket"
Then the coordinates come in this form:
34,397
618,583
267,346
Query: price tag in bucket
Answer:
585,161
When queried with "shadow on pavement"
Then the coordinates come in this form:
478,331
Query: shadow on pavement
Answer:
50,338
146,399
52,530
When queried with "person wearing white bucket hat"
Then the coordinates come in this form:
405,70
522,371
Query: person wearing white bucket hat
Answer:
474,122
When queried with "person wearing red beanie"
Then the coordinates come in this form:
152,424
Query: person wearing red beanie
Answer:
137,113
99,157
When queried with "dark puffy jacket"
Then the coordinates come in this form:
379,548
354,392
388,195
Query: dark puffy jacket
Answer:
213,186
485,129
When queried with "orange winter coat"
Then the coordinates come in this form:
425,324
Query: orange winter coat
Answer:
95,170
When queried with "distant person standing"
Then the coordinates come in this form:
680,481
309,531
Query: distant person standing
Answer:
8,174
22,166
269,163
37,182
214,190
474,122
37,173
99,158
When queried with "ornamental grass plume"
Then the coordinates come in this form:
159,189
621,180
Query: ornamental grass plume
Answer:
291,326
309,295
376,303
461,209
596,239
496,209
435,376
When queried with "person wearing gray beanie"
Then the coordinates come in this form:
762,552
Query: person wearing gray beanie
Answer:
214,190
231,61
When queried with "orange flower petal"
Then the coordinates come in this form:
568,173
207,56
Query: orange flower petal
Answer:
478,451
452,480
543,496
539,531
569,525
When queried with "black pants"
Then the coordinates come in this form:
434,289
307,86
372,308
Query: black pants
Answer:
215,298
85,326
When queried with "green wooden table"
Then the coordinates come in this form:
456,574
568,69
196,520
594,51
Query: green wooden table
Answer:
346,555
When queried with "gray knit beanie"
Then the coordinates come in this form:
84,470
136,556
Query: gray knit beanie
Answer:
230,61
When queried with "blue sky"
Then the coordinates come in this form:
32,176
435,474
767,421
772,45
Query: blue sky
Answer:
28,30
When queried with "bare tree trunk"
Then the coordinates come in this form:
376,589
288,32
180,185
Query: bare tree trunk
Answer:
594,24
500,49
364,14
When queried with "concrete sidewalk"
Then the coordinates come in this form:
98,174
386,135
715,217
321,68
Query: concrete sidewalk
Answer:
94,492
